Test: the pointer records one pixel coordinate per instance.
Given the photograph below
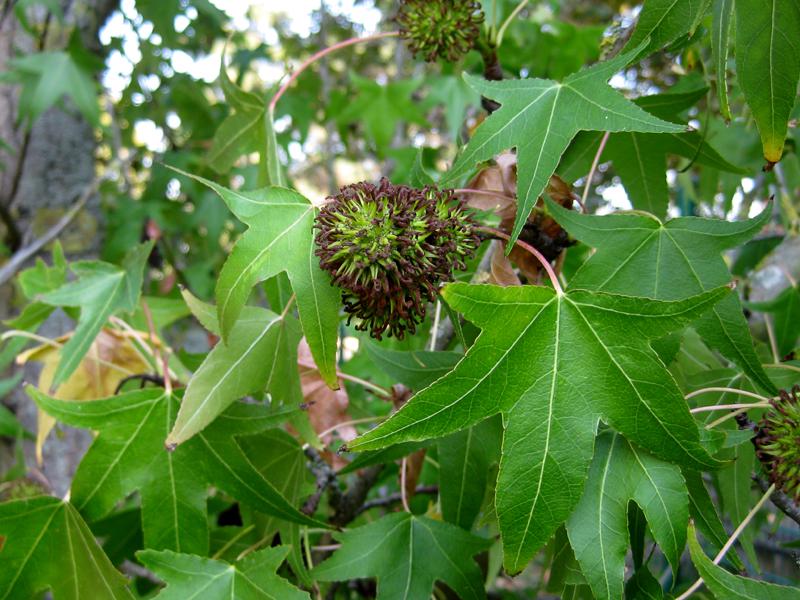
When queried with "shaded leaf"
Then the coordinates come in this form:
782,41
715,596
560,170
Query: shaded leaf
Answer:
663,21
46,545
785,311
768,66
128,455
408,555
252,578
640,158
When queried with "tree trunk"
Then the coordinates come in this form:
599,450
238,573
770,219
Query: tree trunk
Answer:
50,164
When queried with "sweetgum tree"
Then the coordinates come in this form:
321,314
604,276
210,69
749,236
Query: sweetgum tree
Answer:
456,300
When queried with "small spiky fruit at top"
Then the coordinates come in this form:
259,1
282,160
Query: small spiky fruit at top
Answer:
389,247
440,28
777,442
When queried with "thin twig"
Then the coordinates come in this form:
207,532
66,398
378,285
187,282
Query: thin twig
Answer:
435,328
20,257
773,344
160,356
727,417
324,52
346,423
787,506
395,498
595,162
498,195
403,495
527,247
726,390
499,37
728,407
383,392
731,540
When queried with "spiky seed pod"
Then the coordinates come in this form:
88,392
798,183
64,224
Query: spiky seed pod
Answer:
777,442
388,247
440,28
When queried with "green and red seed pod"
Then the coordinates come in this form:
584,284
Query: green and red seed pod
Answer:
440,28
777,442
388,247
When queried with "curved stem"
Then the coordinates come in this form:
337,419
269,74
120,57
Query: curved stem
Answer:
527,247
484,192
499,37
727,390
382,392
348,423
324,52
731,415
595,162
729,407
731,540
403,494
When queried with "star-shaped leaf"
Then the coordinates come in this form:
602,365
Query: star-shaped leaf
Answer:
408,555
252,578
253,361
785,311
44,544
380,107
640,255
598,529
727,586
554,364
640,158
128,455
539,117
100,290
279,238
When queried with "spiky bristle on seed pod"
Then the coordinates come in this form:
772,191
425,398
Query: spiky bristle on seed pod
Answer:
440,28
777,442
389,247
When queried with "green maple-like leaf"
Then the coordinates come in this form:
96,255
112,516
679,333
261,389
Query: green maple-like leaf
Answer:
727,586
539,117
408,555
260,356
640,255
768,66
279,238
49,76
381,107
554,365
128,455
456,96
785,311
250,128
720,46
100,290
663,21
598,529
46,545
640,158
252,578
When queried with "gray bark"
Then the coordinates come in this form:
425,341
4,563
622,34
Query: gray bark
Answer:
50,165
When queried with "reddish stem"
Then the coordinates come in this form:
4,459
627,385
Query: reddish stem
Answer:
501,196
527,247
324,52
